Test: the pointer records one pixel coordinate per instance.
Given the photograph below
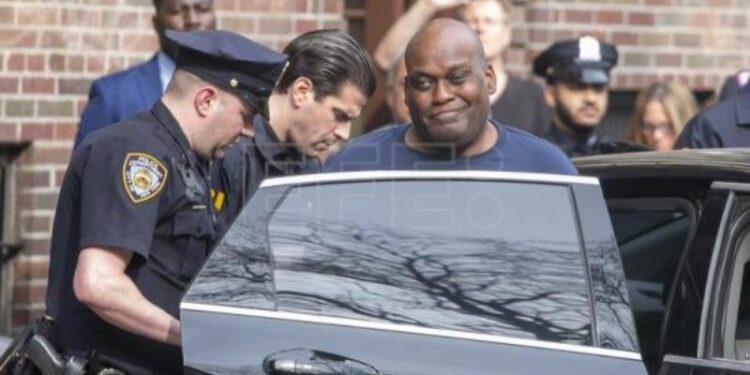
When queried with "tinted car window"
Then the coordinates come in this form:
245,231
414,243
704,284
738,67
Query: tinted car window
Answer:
487,257
651,235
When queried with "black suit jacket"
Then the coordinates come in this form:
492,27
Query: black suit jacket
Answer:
725,124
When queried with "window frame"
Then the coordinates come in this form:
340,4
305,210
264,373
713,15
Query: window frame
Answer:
740,249
587,204
732,229
518,191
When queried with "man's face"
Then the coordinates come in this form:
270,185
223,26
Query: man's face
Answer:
184,15
447,91
490,21
578,105
230,119
324,123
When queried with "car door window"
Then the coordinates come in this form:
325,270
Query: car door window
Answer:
487,257
652,234
737,324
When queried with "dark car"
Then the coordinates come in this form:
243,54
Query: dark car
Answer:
415,273
643,267
681,222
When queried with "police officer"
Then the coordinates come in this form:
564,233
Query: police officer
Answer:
323,89
577,76
134,220
725,124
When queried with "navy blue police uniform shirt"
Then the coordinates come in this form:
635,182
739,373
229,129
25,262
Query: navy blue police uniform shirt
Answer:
138,187
515,150
244,166
575,145
725,124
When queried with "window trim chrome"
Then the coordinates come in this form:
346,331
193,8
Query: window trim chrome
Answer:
402,328
712,270
428,175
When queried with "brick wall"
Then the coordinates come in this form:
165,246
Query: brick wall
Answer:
697,41
49,53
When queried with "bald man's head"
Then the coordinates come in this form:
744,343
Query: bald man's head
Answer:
445,34
448,84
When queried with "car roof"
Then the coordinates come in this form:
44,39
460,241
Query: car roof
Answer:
427,175
715,164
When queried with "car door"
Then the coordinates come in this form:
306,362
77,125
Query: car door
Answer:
707,324
414,273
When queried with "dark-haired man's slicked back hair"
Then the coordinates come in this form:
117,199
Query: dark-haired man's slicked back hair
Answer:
329,58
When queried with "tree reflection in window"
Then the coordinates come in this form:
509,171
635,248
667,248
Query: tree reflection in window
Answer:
501,280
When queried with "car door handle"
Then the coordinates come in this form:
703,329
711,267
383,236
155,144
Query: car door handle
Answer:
313,362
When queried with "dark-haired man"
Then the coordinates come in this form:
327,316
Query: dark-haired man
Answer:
134,221
119,96
323,89
577,90
448,87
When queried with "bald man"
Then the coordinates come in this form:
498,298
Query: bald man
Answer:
516,102
448,87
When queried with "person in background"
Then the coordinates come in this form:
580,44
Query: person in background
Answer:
516,102
448,89
117,97
661,111
577,90
733,84
394,96
724,124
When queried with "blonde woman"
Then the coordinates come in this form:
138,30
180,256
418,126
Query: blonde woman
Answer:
661,111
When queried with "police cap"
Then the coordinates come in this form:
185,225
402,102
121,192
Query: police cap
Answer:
229,61
583,60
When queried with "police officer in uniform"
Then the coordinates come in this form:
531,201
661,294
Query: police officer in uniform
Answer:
725,124
577,77
322,91
134,220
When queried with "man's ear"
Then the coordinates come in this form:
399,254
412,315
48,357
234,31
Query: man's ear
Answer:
490,79
206,99
549,95
301,91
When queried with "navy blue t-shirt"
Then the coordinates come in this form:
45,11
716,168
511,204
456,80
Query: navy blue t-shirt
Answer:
515,151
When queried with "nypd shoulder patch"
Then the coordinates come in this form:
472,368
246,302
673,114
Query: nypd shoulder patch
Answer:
143,176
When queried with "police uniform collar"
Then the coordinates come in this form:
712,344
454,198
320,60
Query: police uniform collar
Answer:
742,105
571,142
277,153
165,117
